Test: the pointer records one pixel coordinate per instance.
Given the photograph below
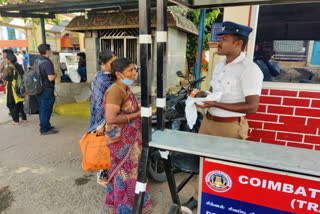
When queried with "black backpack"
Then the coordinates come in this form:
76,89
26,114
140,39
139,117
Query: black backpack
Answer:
32,78
19,88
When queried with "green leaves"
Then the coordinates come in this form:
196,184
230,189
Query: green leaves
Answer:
192,40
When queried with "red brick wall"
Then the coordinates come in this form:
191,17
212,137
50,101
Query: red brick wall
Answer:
287,117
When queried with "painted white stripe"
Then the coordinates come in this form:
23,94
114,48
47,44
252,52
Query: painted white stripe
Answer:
162,36
145,39
140,187
161,102
146,112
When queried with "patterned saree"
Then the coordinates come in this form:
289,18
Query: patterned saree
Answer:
124,142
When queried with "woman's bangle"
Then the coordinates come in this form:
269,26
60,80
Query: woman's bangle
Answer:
128,118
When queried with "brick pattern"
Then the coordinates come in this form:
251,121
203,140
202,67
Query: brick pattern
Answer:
287,118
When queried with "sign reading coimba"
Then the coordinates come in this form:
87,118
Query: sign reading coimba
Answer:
235,188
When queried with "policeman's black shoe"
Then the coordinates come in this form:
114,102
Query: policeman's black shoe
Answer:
191,204
49,132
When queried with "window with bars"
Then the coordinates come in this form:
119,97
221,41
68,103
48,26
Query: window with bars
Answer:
123,42
11,33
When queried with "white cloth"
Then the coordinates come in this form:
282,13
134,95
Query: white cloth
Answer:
74,75
191,108
236,80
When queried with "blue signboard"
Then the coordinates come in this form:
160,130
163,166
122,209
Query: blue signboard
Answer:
216,28
315,60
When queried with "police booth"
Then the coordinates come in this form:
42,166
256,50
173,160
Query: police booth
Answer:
235,176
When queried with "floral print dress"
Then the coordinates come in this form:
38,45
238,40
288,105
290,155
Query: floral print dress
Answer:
124,142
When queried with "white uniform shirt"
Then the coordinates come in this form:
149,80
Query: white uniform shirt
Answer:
236,80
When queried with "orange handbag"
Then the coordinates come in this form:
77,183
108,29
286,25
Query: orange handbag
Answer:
95,153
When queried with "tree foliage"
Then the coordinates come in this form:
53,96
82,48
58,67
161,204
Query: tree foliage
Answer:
192,40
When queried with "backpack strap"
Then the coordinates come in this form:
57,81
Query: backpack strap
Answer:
39,63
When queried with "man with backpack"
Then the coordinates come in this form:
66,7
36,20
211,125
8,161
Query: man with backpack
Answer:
46,97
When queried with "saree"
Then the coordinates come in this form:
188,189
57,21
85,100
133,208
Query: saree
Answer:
124,142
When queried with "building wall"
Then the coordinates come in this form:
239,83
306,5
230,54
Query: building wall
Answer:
239,15
288,118
91,56
3,33
177,48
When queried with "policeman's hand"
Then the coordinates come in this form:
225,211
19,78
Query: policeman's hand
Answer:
100,132
206,104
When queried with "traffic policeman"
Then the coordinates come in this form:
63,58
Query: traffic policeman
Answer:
239,80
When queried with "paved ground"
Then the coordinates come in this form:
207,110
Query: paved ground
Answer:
42,174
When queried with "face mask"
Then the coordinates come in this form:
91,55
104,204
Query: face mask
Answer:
51,55
126,81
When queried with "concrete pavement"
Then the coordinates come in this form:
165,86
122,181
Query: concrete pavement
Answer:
42,174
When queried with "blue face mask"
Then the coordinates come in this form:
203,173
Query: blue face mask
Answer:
127,81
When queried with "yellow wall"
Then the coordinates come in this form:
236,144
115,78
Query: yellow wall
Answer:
81,41
239,15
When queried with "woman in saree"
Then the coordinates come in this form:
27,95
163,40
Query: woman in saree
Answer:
14,102
123,138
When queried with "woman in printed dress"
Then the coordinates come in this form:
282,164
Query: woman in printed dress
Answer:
123,137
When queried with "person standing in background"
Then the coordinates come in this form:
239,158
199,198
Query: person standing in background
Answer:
46,99
82,66
19,58
13,101
3,65
25,60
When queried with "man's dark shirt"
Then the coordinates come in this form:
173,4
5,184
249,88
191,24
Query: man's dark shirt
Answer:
46,68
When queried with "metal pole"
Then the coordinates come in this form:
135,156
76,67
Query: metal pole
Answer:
146,109
43,31
200,45
162,37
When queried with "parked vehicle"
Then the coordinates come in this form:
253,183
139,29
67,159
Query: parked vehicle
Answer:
175,119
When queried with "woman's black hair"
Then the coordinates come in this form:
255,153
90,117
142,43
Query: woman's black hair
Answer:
8,51
105,56
119,65
13,59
